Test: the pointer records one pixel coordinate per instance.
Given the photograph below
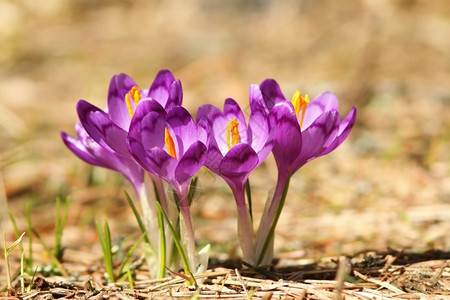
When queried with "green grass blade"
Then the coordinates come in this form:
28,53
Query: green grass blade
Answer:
138,217
105,243
129,254
249,197
162,241
177,245
30,235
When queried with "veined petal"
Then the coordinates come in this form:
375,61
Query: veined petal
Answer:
139,154
217,124
238,162
191,161
258,126
152,130
315,137
255,97
184,128
119,86
144,107
345,127
175,95
271,93
288,140
163,165
80,150
323,103
100,127
160,88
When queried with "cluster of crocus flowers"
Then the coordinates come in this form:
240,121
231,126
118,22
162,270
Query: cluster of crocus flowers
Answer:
148,134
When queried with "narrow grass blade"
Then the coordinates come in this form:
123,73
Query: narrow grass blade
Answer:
60,223
249,197
129,254
138,217
54,259
179,247
105,243
192,189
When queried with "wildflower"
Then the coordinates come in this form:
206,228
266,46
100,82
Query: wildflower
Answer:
172,146
234,150
102,135
305,130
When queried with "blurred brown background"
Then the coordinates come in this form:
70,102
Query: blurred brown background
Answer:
387,185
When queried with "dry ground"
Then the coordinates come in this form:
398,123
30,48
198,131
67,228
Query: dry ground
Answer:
388,185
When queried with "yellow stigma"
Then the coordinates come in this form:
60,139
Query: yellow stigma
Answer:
300,104
232,133
170,144
134,94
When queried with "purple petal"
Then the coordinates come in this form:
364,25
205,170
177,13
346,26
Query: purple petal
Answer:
191,161
80,150
139,154
175,95
238,162
144,107
288,141
217,124
258,125
271,93
315,137
255,97
163,165
101,128
344,130
152,129
119,86
265,150
324,102
159,90
184,128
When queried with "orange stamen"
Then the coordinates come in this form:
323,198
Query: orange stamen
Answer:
232,133
300,104
170,144
135,95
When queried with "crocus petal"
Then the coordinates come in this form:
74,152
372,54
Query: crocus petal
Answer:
315,137
345,127
144,107
258,126
119,86
100,127
175,95
80,150
183,126
162,164
288,141
159,90
238,162
255,97
139,154
324,102
271,93
152,130
192,160
217,124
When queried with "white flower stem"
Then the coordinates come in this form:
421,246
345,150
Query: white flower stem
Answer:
245,226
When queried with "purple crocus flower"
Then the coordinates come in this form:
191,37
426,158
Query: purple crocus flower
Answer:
234,150
102,134
305,130
171,145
